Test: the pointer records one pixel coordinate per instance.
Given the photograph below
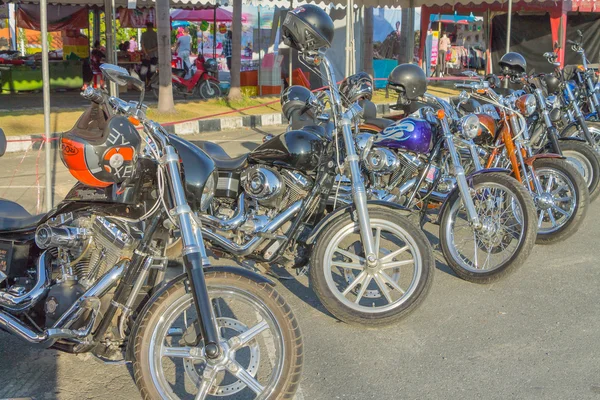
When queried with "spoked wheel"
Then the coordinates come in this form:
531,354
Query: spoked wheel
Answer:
593,127
564,200
377,293
209,89
506,236
259,336
586,161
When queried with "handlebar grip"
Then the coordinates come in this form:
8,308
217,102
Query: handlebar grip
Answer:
463,86
94,95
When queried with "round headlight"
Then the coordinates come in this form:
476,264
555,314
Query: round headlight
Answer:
526,104
470,126
551,101
209,191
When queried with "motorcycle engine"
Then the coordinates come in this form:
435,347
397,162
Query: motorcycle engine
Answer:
84,248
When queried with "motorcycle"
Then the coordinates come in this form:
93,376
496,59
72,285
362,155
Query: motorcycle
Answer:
201,83
88,276
558,190
486,219
368,263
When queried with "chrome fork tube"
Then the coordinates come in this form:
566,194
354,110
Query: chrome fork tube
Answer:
194,254
359,193
461,179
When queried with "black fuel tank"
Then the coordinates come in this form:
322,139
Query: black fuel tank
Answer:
298,149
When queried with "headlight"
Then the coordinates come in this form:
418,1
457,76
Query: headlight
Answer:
551,102
526,104
470,126
209,191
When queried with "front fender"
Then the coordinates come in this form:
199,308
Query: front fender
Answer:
246,273
350,209
530,160
470,182
570,126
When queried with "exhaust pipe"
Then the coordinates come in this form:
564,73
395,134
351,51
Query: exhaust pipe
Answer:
17,303
228,224
88,300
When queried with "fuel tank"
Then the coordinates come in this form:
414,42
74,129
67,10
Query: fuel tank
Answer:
297,149
410,134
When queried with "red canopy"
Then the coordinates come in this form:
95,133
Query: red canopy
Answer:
203,15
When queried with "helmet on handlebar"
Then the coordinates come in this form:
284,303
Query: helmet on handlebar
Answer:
100,150
355,88
211,65
513,64
408,79
552,83
307,28
295,98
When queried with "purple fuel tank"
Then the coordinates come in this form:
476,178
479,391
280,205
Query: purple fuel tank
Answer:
411,134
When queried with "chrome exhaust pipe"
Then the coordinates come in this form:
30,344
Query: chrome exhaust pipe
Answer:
16,303
88,300
250,246
228,224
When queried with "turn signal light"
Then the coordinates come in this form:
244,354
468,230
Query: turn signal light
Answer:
441,114
134,120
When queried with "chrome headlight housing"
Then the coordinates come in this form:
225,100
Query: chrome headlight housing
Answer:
597,88
526,104
208,193
469,126
551,102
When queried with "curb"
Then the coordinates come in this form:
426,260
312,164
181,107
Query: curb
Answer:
23,143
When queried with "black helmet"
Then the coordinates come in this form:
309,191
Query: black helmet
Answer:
513,64
552,83
295,98
211,65
307,28
355,88
409,79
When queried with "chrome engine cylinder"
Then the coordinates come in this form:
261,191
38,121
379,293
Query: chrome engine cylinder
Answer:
50,236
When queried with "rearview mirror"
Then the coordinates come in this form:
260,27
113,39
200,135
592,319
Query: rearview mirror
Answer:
579,33
470,74
121,77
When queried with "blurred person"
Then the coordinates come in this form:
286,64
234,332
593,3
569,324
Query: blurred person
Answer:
150,50
183,48
227,49
133,46
444,47
96,58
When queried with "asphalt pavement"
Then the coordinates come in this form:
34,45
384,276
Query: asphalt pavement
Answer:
534,335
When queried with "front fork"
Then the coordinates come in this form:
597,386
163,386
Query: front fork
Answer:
461,179
359,193
595,95
194,254
580,118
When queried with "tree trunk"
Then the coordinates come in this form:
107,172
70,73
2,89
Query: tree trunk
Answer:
236,51
368,41
165,93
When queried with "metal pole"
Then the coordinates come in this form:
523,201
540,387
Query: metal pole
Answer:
347,47
508,26
259,53
291,51
46,96
12,23
215,34
110,40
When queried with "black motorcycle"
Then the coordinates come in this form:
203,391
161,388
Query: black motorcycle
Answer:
88,276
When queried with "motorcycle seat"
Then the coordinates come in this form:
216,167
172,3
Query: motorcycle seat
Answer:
381,123
14,217
222,160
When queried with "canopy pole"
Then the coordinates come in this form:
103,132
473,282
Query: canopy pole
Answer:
12,23
46,97
215,35
291,51
508,26
110,40
259,52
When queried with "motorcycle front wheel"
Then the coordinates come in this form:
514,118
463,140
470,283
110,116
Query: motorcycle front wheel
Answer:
563,203
209,89
503,243
586,161
260,338
379,294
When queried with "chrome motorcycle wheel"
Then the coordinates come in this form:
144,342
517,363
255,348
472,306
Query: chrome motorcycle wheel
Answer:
260,340
379,293
503,242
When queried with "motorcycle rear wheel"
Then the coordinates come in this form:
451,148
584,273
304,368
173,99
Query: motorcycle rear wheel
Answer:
169,361
372,296
517,218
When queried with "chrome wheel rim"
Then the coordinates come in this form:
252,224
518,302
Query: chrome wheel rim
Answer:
557,203
484,250
253,351
582,164
378,288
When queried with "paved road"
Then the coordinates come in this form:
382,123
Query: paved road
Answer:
534,335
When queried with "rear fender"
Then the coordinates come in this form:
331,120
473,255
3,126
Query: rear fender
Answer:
246,273
350,209
470,182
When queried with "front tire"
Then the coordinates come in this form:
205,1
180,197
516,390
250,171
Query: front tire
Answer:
586,161
506,210
209,89
357,294
169,329
564,202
